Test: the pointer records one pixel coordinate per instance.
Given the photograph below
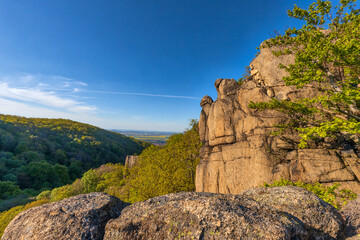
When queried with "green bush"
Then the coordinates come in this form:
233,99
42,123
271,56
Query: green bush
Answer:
60,193
44,195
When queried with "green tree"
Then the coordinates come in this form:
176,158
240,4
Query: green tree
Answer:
8,189
30,156
42,174
165,169
22,146
63,174
327,56
9,177
60,156
90,181
75,169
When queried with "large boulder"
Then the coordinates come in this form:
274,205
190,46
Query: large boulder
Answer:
319,218
239,152
79,217
351,213
224,216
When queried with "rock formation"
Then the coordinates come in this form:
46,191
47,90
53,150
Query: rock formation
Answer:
79,217
239,152
131,160
219,216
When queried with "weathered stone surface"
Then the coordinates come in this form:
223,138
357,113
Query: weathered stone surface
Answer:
131,160
219,216
319,218
238,151
351,213
79,217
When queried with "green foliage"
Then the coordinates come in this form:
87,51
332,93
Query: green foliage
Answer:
90,181
329,60
330,194
111,182
38,154
44,195
41,174
165,169
62,173
60,193
8,189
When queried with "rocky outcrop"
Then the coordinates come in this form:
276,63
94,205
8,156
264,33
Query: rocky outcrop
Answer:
259,214
80,217
131,160
239,152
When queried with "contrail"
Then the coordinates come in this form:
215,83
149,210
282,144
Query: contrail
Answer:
122,93
141,94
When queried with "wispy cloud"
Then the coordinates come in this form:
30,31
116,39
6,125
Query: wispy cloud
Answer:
33,91
44,98
74,84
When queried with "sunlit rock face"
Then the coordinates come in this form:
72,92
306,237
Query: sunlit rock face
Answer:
239,150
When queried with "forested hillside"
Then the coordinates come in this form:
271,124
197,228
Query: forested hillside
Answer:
160,170
38,154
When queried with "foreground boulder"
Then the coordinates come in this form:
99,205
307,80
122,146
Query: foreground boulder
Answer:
319,218
79,217
351,213
218,216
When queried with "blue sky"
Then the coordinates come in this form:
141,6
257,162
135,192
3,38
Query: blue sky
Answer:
127,64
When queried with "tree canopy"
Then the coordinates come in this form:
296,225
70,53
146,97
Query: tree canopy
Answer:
327,56
39,153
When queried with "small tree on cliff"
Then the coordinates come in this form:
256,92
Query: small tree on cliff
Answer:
327,56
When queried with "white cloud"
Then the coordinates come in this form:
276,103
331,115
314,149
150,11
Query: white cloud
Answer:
34,92
45,98
83,109
72,83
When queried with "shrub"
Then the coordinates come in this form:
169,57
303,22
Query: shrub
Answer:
44,195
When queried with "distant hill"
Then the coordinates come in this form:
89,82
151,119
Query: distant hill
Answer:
40,153
153,137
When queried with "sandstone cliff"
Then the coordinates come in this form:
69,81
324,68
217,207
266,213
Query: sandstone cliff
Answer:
238,150
131,160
